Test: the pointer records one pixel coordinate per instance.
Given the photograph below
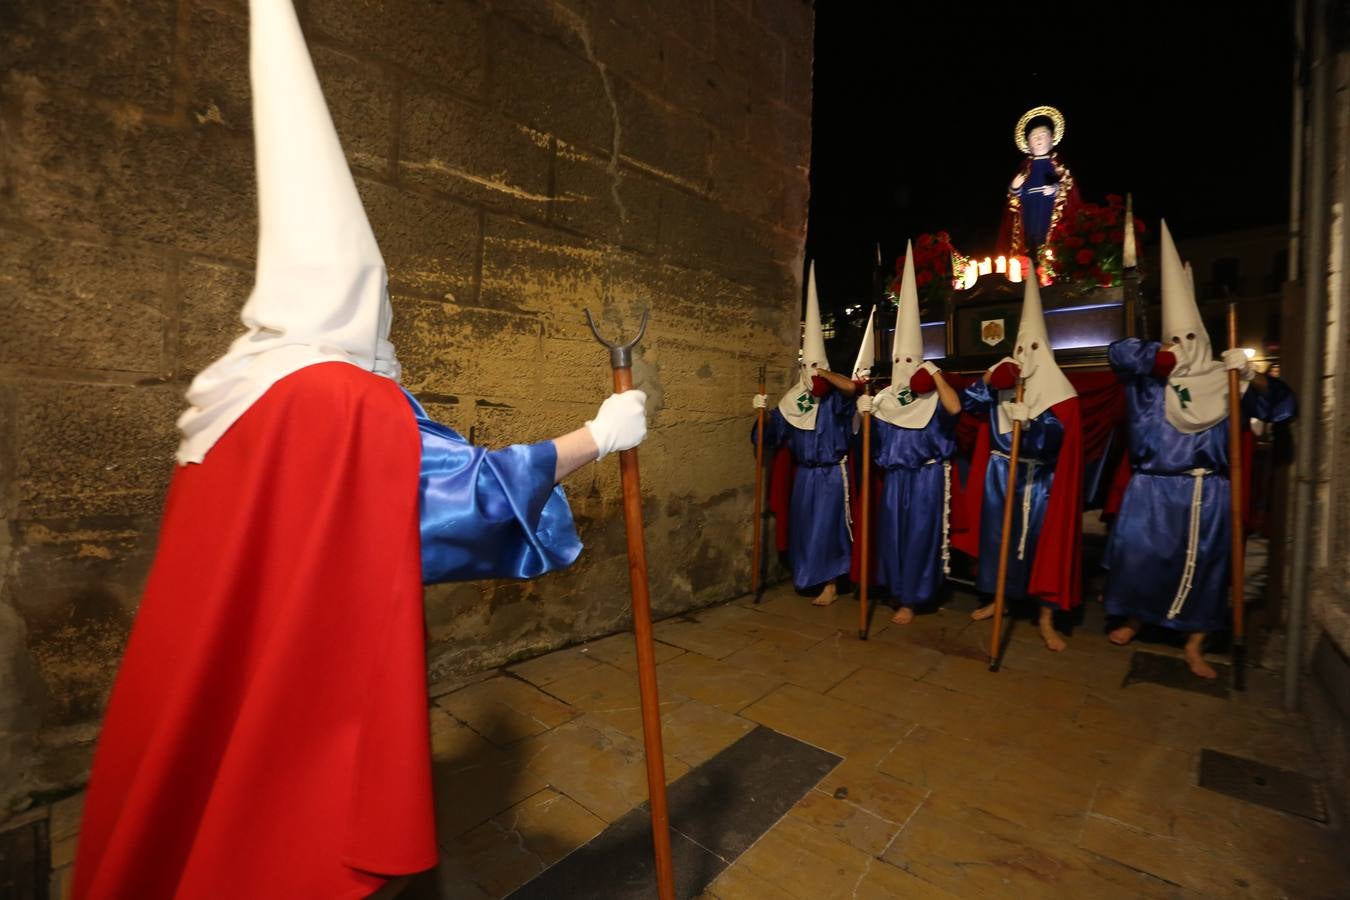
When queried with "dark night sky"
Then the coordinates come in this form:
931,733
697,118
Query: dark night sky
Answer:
1184,103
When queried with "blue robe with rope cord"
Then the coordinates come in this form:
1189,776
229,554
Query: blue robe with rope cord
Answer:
1147,551
912,502
820,543
1038,453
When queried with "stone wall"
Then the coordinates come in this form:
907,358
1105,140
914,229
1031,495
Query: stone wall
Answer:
520,160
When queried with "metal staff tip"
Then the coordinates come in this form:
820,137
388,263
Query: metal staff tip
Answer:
620,355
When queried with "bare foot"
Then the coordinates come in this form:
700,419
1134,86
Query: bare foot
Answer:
1199,666
984,612
1053,642
827,596
903,616
1124,634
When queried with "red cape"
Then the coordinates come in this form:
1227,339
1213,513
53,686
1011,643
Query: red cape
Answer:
1056,571
267,736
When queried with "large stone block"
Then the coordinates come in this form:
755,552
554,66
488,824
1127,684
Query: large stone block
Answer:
93,450
106,47
76,584
208,320
697,232
441,41
530,268
619,207
82,171
690,21
660,138
717,93
541,84
792,20
631,53
747,183
55,291
450,145
798,79
430,244
358,93
464,351
777,131
748,47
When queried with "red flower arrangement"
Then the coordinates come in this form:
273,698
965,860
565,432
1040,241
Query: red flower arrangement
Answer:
1088,245
932,269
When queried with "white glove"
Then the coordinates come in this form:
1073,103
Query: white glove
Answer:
1237,359
865,403
1019,412
761,401
621,423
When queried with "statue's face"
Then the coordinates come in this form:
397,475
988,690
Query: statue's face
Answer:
1040,140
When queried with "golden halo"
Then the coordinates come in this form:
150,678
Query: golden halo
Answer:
1056,119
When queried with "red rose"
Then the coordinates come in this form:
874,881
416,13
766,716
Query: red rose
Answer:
1073,242
1096,237
1084,257
1114,199
923,278
925,240
1139,225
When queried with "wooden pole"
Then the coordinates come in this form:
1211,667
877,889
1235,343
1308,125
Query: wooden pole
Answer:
864,604
1000,592
1235,484
621,362
756,583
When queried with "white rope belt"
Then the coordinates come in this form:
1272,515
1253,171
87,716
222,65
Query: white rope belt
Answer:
1026,501
848,515
1192,541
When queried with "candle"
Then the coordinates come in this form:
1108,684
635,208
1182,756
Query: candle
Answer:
1014,270
1001,265
986,266
1130,258
972,274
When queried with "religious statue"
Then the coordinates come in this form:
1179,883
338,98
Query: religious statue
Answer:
1043,187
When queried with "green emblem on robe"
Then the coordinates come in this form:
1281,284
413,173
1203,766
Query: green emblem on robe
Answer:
805,403
905,396
1183,394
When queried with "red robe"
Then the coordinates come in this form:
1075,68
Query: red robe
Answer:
267,735
1056,570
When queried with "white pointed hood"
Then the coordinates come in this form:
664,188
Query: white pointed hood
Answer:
897,405
1197,395
867,351
799,405
320,290
1044,384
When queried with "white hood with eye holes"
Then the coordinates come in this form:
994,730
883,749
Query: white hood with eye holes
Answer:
1043,384
1197,389
898,405
799,405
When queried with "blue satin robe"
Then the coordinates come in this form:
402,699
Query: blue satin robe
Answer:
909,510
820,545
1037,455
1146,551
490,513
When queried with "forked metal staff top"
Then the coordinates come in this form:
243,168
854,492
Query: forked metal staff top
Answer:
620,355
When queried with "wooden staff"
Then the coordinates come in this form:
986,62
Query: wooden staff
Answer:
621,359
756,582
1000,592
864,606
1238,549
